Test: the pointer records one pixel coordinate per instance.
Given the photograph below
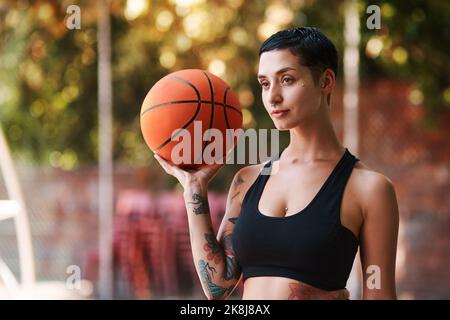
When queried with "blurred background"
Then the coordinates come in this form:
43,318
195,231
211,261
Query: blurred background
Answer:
59,106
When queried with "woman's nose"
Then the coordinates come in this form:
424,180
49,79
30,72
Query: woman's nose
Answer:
275,95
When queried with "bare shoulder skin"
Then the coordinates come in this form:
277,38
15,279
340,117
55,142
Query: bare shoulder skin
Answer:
379,231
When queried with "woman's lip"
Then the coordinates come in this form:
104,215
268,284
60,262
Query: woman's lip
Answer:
279,113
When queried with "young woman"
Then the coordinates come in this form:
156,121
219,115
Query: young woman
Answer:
294,234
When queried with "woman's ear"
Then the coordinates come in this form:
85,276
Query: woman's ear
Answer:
327,82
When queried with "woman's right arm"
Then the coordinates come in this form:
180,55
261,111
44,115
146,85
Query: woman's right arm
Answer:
213,256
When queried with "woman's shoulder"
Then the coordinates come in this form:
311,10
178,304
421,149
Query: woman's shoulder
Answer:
248,174
244,178
252,170
368,178
371,186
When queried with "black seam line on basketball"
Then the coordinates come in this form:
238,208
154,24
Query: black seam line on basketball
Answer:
227,123
192,101
224,110
211,119
191,120
211,90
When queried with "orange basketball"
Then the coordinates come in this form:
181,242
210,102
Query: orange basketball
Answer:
178,111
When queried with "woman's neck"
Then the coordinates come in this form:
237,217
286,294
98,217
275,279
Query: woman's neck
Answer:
314,140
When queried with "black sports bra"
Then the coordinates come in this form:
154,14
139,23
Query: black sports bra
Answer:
311,246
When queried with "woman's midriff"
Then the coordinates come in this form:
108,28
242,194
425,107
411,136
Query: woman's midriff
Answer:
279,288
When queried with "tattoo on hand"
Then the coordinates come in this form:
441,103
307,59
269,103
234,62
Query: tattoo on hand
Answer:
199,204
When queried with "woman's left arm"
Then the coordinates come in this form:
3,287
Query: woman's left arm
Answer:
378,238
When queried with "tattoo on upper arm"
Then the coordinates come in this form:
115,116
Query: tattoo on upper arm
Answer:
232,268
238,181
215,254
199,204
233,220
232,198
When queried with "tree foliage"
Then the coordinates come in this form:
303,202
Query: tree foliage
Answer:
48,79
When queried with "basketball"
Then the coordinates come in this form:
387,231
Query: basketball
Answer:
178,112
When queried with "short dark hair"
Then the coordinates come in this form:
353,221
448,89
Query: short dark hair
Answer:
312,47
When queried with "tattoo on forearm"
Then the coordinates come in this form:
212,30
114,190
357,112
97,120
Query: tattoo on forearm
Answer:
205,269
199,204
212,248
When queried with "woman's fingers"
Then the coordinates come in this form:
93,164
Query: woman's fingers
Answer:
206,173
166,166
171,169
209,171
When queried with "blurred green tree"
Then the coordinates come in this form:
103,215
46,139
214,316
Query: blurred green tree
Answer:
48,79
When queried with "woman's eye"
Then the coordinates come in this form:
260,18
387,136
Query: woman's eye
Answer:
264,84
287,80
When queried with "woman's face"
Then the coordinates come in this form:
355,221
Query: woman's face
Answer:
289,93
